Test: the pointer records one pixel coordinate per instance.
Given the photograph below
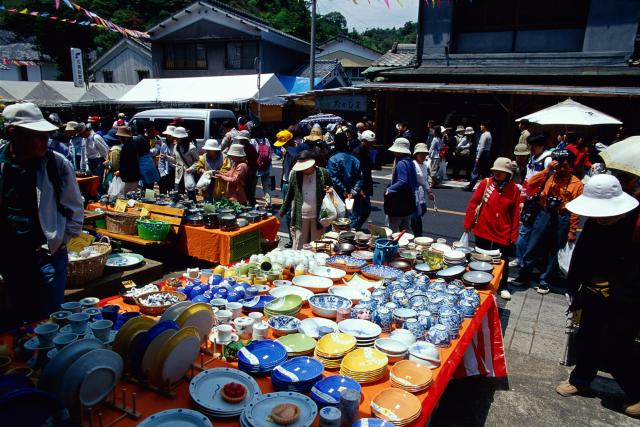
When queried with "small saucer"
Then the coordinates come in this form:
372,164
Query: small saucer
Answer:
34,344
214,338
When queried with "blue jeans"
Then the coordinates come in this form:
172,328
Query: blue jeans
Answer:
548,234
96,167
284,188
360,212
481,169
523,240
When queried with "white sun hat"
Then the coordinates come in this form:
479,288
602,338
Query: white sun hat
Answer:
211,145
368,135
236,150
27,115
401,145
180,132
602,197
169,130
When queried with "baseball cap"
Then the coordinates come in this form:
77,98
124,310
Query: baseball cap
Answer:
27,115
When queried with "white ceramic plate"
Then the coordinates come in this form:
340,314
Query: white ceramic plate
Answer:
353,293
281,291
175,310
91,378
179,359
152,350
311,325
360,328
176,417
124,260
313,283
328,272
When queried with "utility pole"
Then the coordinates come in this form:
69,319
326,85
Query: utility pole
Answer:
312,53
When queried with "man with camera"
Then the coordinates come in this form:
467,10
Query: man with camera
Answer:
553,224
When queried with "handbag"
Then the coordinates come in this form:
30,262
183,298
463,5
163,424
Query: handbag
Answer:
476,214
531,206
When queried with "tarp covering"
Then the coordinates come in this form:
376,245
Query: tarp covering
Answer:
218,89
105,92
295,84
52,92
16,90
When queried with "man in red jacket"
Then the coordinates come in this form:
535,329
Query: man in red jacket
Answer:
493,214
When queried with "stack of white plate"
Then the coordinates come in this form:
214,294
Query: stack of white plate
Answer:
205,389
454,257
395,350
495,254
364,331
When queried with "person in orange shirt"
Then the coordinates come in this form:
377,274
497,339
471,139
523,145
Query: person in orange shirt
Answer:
237,176
554,225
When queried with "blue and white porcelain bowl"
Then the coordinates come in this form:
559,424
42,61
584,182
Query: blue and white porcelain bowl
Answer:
400,298
451,310
438,335
361,311
467,308
418,302
426,319
384,318
414,326
283,325
439,286
326,305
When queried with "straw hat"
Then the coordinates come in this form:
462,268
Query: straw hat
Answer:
368,135
236,150
521,150
502,164
401,145
211,145
180,132
304,162
459,128
124,131
314,135
602,197
169,130
71,126
282,138
469,130
420,148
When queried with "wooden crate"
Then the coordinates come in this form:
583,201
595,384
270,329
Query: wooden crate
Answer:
244,245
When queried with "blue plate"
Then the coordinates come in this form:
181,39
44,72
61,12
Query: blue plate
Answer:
137,351
265,353
346,261
378,272
260,408
372,422
327,391
176,417
454,271
204,391
298,369
256,303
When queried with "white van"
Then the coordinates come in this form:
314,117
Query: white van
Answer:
201,123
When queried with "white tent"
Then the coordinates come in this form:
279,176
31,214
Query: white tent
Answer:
570,112
55,93
16,91
198,90
105,92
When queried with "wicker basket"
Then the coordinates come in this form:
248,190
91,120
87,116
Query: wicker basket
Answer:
85,270
122,222
157,310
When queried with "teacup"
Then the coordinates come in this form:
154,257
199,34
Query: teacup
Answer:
260,331
72,306
110,312
224,317
93,312
244,327
45,333
101,329
78,322
193,272
235,308
256,316
219,303
60,317
62,340
251,292
224,333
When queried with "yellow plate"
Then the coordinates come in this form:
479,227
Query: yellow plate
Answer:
365,360
128,331
335,343
173,342
199,315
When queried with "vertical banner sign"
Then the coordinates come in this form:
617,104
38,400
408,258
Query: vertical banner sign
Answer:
76,67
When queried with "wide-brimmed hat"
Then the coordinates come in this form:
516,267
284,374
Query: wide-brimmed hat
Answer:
180,132
169,130
469,130
602,197
314,135
368,135
71,125
401,145
420,148
521,150
459,128
282,138
80,127
236,150
124,131
211,145
503,164
27,115
304,162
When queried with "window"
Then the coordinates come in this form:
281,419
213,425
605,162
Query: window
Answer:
241,55
142,74
24,73
185,56
107,76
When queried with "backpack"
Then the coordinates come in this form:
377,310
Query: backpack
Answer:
264,155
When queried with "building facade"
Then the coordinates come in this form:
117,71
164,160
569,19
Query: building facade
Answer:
127,62
353,56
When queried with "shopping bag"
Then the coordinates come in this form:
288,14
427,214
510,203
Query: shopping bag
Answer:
204,182
189,181
341,208
564,258
464,239
116,187
328,211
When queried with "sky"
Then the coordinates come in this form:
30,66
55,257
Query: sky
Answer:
372,13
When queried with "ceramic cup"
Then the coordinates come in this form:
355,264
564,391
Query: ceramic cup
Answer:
124,317
93,312
256,316
78,322
45,333
219,303
110,312
62,340
101,329
89,302
72,306
244,327
260,331
60,317
193,272
251,292
224,333
224,317
235,308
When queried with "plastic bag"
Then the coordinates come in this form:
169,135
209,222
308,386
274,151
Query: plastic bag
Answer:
116,187
204,182
464,239
189,181
328,211
564,258
341,208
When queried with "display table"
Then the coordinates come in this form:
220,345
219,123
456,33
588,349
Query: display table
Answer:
477,351
88,185
224,247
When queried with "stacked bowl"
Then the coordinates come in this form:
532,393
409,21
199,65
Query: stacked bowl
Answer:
425,353
396,406
332,348
410,376
365,365
288,305
364,331
283,325
395,350
297,344
297,374
454,257
261,357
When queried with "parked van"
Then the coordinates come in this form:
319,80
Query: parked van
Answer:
201,123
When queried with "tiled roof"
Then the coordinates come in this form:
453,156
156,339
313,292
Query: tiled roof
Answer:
14,47
399,55
323,67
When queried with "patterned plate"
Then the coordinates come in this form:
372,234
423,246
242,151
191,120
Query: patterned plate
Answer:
377,272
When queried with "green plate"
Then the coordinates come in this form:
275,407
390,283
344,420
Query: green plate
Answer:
124,260
297,343
286,303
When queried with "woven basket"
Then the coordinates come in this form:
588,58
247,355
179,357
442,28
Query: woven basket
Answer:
157,310
122,222
84,270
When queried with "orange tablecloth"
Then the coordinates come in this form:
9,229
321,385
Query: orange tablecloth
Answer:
88,185
472,339
214,245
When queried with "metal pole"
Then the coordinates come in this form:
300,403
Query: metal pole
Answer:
312,53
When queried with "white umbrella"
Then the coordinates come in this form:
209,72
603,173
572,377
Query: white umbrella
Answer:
570,112
623,155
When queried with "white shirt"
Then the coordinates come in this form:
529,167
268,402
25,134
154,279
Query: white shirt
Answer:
484,144
96,147
537,164
309,196
422,171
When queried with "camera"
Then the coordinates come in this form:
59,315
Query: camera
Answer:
553,203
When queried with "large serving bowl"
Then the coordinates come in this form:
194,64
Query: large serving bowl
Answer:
327,305
283,325
315,284
354,293
282,291
334,274
477,278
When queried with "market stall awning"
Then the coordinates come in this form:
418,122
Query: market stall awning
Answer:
297,84
198,90
16,91
570,112
54,93
105,92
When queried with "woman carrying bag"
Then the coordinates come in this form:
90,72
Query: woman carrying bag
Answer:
493,215
207,166
400,197
236,177
185,156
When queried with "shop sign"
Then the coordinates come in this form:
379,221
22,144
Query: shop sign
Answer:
342,102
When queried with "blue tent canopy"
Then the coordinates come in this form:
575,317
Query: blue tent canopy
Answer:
295,84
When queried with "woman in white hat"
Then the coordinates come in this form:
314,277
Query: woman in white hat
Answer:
400,198
166,162
420,153
185,156
209,163
493,215
604,281
462,153
236,177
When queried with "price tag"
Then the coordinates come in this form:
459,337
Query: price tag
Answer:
121,205
77,244
144,212
128,284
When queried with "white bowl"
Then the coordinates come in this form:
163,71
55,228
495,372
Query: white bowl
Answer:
360,329
423,241
315,284
426,353
394,358
354,293
334,274
404,336
404,313
391,346
404,240
311,326
325,305
280,282
281,291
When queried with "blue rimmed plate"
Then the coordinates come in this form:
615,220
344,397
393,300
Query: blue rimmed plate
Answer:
260,408
262,354
256,303
377,272
176,417
298,369
327,391
205,388
346,262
